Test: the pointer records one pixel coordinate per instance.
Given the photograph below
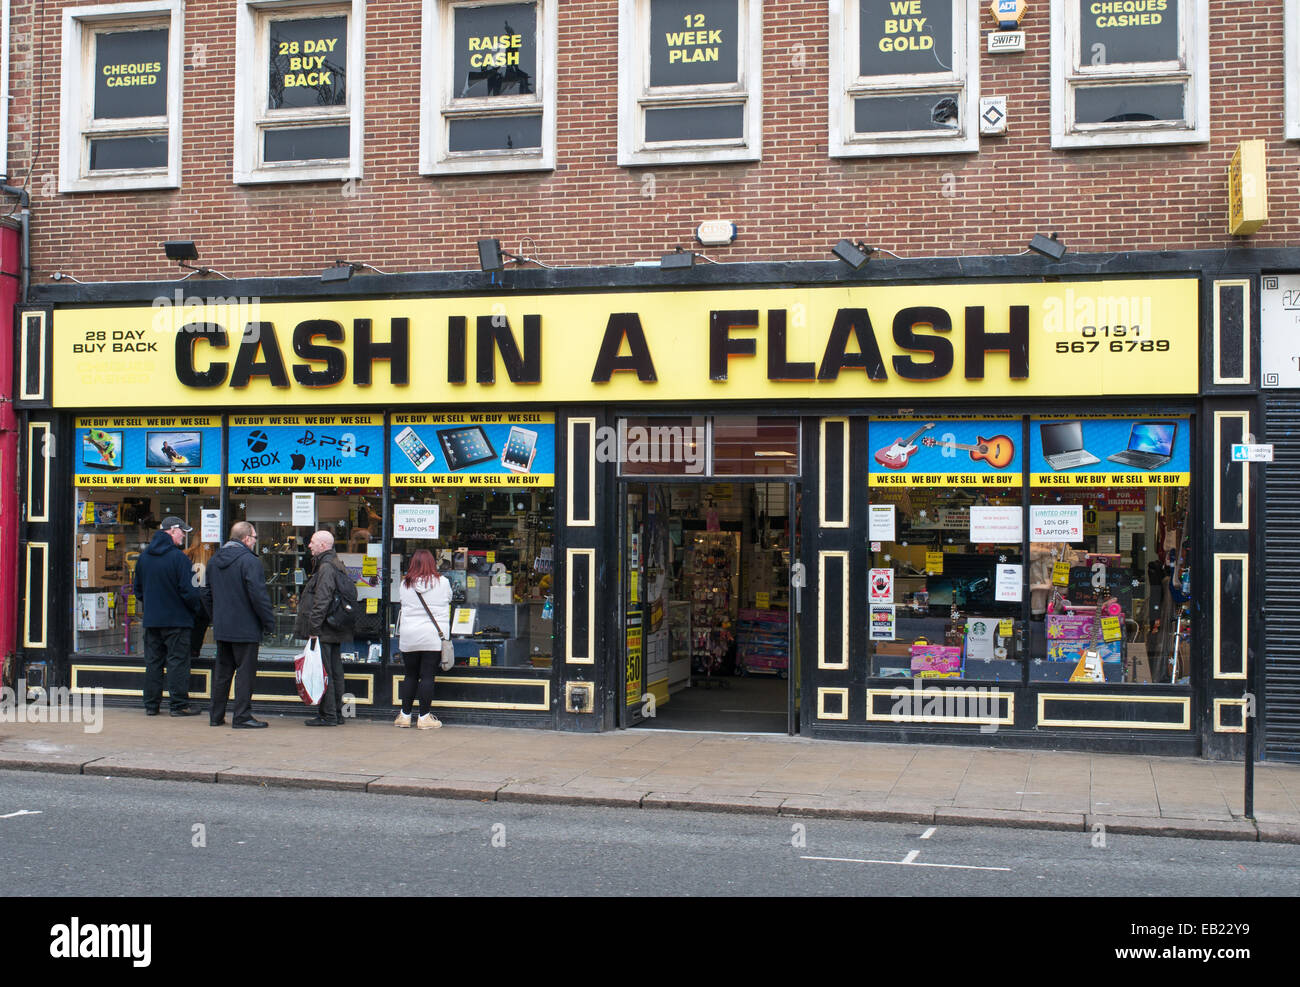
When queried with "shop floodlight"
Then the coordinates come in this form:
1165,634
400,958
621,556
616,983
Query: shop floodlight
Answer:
341,271
1049,247
677,259
184,251
180,250
855,254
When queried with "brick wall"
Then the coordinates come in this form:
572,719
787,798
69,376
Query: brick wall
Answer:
792,205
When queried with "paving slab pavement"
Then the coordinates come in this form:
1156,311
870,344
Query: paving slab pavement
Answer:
768,774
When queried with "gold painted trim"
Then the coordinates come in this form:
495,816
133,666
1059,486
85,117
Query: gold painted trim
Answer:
591,606
543,684
209,674
1244,283
48,429
821,474
1244,523
1244,559
570,520
38,395
78,667
1184,701
822,693
43,641
821,610
1218,715
922,695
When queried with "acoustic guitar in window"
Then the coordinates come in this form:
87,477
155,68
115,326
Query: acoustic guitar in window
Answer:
997,451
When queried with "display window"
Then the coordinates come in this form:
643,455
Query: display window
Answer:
122,76
129,474
905,76
1109,524
299,96
690,81
946,529
488,97
291,475
496,547
1103,594
1131,73
477,490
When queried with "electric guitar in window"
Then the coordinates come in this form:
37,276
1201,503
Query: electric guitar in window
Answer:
997,451
897,453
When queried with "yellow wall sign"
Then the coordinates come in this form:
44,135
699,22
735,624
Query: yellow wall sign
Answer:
1004,340
1247,189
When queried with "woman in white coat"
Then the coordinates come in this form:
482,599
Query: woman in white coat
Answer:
425,636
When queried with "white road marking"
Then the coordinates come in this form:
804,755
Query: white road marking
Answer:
22,812
904,863
929,832
911,855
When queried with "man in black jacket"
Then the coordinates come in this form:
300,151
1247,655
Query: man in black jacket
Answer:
240,607
164,587
314,605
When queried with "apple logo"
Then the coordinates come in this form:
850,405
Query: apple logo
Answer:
299,460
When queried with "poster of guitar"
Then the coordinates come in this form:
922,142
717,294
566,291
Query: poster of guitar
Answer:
945,452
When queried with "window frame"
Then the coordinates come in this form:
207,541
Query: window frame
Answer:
438,109
253,119
77,124
635,95
1192,67
846,85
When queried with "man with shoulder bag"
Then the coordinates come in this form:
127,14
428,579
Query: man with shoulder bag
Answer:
327,610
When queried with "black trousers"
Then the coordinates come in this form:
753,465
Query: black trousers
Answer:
232,656
421,667
167,647
331,704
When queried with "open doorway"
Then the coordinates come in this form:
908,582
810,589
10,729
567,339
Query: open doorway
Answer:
707,606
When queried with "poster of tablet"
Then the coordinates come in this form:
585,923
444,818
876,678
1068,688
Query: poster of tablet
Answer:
460,449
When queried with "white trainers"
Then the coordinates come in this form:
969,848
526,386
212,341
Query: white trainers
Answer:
403,720
429,722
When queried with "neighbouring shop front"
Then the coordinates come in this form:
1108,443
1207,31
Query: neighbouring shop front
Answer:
959,511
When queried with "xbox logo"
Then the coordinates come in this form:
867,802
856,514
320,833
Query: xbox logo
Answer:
257,440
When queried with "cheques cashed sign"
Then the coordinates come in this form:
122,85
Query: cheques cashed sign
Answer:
848,343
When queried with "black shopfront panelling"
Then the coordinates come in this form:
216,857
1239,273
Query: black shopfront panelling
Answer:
1282,587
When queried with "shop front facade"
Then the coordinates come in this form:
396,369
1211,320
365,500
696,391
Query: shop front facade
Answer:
987,501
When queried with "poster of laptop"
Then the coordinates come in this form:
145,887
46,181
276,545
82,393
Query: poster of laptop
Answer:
102,449
177,452
1137,451
1063,445
1150,445
463,448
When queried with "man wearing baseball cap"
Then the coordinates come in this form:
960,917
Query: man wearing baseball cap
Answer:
168,598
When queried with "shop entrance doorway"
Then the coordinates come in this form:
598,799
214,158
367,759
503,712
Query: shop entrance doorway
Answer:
708,615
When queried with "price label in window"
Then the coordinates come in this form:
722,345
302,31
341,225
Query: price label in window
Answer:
372,605
111,543
1110,630
130,606
369,565
485,656
491,556
934,563
1005,628
762,601
1060,574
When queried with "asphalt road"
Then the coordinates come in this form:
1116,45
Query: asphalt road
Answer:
73,835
